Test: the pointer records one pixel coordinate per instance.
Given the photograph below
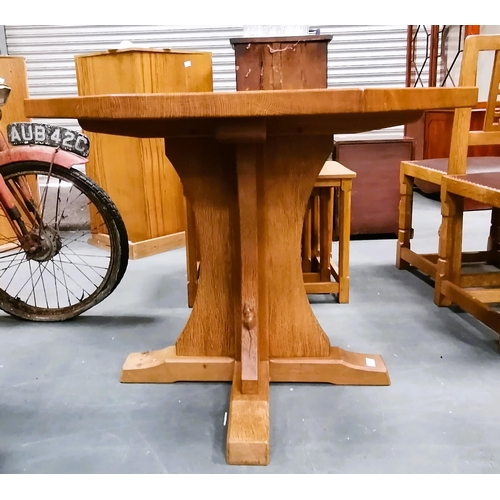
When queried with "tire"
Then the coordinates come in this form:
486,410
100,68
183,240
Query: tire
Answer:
56,271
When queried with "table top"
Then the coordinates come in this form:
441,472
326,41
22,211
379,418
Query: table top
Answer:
321,111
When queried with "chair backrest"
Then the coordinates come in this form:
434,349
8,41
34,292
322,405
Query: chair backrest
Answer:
462,137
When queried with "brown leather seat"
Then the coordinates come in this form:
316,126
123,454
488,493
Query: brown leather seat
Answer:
480,164
475,165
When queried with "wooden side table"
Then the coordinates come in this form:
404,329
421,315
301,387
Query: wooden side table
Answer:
249,160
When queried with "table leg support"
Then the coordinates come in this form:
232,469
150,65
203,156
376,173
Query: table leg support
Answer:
246,168
248,421
339,368
165,366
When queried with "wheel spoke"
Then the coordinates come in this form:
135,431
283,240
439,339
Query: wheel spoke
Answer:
67,288
64,277
43,284
78,256
15,272
92,266
11,262
78,284
75,239
74,264
66,206
34,285
32,282
55,284
58,222
69,241
7,255
58,199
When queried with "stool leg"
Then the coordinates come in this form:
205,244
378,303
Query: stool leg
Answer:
405,218
449,264
191,255
326,233
315,228
344,239
307,238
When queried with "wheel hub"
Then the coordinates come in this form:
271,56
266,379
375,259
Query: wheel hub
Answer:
42,245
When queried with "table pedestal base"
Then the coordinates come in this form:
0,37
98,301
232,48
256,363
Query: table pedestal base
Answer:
248,423
339,368
251,321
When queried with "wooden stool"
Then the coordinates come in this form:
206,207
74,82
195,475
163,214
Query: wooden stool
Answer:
318,266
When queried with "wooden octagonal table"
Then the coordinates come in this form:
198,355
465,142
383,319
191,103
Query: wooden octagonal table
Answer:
248,162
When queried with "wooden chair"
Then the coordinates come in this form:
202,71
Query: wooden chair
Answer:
318,267
317,264
458,163
475,294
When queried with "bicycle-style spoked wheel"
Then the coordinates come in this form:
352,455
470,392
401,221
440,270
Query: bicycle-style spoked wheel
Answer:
55,273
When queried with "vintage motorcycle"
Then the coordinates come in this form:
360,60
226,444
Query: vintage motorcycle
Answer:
53,222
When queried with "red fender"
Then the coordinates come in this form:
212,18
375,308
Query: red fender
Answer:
45,154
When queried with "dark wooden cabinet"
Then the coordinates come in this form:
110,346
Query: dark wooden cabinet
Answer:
375,191
279,63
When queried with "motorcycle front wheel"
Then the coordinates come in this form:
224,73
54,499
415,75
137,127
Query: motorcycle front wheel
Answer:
75,249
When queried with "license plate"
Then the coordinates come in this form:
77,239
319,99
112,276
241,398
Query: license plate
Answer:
28,133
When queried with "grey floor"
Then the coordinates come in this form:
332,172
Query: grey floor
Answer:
63,410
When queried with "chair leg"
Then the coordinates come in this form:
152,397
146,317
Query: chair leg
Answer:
405,218
449,265
344,239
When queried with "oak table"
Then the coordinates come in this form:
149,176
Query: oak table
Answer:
248,161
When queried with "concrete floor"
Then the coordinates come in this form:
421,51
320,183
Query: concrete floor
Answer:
63,410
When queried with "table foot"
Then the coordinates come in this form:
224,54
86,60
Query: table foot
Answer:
164,367
340,368
248,422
